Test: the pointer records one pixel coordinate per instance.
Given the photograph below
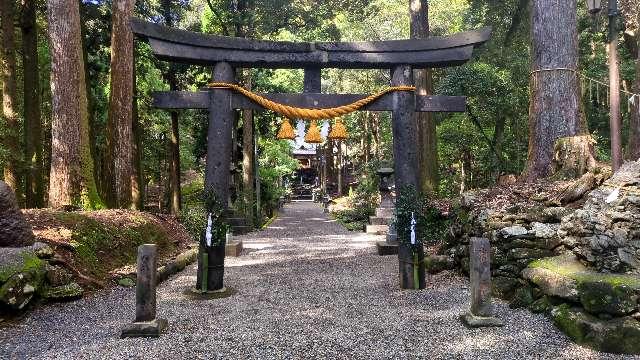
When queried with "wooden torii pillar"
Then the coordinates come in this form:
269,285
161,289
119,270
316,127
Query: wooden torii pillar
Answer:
225,53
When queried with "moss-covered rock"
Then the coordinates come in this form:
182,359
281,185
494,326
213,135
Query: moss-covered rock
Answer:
545,304
526,253
63,293
620,335
566,277
610,298
522,298
552,283
438,263
504,287
23,283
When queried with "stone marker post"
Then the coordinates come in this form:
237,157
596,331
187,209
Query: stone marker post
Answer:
481,314
146,324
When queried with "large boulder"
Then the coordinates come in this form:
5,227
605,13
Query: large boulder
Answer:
600,294
619,335
14,229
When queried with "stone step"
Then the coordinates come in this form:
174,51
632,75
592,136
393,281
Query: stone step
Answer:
233,248
377,229
387,248
375,220
384,212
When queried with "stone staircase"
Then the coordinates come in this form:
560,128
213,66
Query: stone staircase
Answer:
379,224
238,224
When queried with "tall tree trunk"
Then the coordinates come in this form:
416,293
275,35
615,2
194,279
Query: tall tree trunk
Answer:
634,125
367,137
120,121
9,97
137,180
498,136
174,137
34,186
71,181
248,159
174,166
427,135
554,109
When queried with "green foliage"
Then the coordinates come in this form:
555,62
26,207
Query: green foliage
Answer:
362,201
430,226
198,206
275,163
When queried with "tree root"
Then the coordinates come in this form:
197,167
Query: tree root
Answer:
59,261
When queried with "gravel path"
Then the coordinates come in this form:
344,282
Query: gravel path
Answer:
306,288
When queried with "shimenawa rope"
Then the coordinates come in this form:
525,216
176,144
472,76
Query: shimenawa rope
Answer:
309,114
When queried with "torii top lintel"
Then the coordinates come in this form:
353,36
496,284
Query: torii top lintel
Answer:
196,48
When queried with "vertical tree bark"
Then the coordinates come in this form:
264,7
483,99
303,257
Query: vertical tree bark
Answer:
9,97
248,177
427,135
367,137
554,109
71,181
174,138
34,187
634,124
120,122
137,181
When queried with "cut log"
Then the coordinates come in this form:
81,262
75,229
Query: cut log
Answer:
573,156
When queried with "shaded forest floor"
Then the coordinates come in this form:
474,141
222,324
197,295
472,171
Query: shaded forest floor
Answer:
102,244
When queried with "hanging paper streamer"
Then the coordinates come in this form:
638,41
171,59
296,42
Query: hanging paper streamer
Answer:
207,235
413,228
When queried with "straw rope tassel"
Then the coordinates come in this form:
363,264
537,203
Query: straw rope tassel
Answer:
286,131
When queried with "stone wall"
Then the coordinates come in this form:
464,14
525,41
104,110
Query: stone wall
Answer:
579,264
605,233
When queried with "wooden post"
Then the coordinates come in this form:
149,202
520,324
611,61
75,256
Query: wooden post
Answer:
219,147
313,84
146,324
405,145
481,313
405,150
219,137
339,167
313,80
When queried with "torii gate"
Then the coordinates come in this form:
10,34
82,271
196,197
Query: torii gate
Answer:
227,53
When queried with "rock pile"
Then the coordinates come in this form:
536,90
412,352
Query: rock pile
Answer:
606,231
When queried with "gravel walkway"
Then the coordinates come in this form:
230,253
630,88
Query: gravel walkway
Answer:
306,288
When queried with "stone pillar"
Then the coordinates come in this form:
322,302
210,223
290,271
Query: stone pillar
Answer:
405,153
481,313
146,324
146,283
382,223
